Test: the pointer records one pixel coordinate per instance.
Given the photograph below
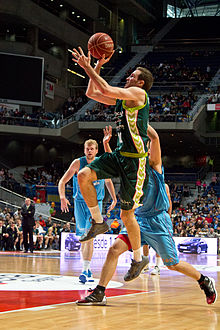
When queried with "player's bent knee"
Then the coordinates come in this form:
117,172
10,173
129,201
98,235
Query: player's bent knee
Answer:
173,267
114,251
86,175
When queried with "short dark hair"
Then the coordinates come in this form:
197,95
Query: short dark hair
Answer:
147,76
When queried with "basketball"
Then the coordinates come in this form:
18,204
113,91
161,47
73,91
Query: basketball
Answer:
99,44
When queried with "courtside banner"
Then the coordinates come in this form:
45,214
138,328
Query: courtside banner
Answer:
70,242
213,107
190,245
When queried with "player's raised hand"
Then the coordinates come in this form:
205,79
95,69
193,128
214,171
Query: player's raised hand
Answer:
80,58
104,60
64,205
112,206
107,134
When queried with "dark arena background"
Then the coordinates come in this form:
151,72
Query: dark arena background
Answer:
45,118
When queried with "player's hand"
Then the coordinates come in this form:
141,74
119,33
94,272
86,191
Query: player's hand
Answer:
64,205
80,58
104,60
112,206
107,134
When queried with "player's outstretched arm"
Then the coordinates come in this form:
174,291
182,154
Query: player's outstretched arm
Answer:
111,190
107,137
155,150
74,167
131,93
92,91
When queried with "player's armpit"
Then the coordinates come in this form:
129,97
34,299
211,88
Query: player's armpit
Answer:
99,97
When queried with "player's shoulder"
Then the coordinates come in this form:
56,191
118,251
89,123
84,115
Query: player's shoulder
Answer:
75,164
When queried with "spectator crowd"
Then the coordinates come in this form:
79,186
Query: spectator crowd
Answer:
46,233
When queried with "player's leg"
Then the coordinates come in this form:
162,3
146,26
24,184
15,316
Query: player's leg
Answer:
186,269
134,180
97,297
104,167
82,218
87,252
146,254
133,230
156,270
206,283
86,176
164,245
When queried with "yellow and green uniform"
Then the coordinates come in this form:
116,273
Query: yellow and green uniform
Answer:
129,160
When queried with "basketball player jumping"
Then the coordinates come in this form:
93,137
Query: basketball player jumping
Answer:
129,161
156,230
81,211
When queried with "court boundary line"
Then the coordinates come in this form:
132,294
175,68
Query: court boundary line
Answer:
68,303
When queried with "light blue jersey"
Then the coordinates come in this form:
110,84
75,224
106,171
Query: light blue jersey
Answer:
155,199
81,210
155,223
99,184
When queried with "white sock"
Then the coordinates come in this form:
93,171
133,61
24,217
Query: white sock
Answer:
96,214
158,259
86,265
137,255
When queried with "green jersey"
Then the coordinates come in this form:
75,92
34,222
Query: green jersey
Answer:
131,126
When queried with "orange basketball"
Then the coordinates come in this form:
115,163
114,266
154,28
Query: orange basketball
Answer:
99,44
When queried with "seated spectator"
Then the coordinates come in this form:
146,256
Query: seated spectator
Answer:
55,232
49,222
38,236
49,237
12,237
212,233
20,233
42,222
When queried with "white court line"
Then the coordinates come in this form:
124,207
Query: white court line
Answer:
68,303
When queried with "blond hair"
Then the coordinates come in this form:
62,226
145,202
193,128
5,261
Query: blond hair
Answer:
90,141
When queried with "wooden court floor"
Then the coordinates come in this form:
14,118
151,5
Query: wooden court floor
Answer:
32,296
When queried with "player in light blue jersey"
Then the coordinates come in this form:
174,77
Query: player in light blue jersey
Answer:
81,210
156,230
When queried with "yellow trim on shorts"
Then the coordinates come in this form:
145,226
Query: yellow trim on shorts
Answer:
133,154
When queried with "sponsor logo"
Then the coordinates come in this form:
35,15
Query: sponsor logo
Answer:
35,282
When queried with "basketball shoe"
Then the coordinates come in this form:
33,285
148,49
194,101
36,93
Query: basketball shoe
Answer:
97,297
83,278
90,277
208,285
155,271
146,269
95,229
136,268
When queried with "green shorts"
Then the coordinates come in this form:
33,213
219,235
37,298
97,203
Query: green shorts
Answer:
133,174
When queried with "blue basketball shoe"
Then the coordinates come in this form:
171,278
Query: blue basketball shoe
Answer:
90,277
83,278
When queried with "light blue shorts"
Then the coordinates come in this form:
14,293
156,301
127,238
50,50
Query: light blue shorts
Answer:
157,232
82,216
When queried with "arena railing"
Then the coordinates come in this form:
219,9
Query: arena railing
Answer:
10,199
